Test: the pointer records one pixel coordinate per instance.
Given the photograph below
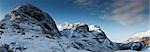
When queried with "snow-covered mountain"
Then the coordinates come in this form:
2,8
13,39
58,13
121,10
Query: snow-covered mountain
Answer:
141,36
29,29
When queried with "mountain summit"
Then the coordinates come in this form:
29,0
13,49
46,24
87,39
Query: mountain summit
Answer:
29,29
29,14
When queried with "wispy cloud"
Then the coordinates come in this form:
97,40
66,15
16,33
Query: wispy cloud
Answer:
130,11
125,12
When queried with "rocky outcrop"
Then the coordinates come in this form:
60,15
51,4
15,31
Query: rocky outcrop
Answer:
83,28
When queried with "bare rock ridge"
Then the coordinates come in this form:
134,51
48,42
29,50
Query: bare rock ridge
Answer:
30,12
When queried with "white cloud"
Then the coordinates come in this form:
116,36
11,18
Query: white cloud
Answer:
125,12
129,11
83,2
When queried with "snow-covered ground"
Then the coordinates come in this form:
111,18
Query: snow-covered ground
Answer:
144,50
138,37
23,30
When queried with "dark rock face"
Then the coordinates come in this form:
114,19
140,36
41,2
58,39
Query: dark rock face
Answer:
137,46
29,12
83,28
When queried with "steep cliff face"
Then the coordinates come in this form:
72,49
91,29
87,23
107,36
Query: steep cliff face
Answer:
29,29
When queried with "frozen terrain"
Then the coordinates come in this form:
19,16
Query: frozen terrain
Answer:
29,29
140,36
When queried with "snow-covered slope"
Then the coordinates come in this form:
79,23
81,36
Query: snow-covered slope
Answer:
93,33
29,29
141,36
83,38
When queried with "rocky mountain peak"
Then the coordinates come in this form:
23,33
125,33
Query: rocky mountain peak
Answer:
30,14
28,10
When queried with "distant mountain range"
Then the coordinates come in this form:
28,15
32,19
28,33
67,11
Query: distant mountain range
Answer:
141,36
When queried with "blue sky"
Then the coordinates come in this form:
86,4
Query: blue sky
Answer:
119,19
